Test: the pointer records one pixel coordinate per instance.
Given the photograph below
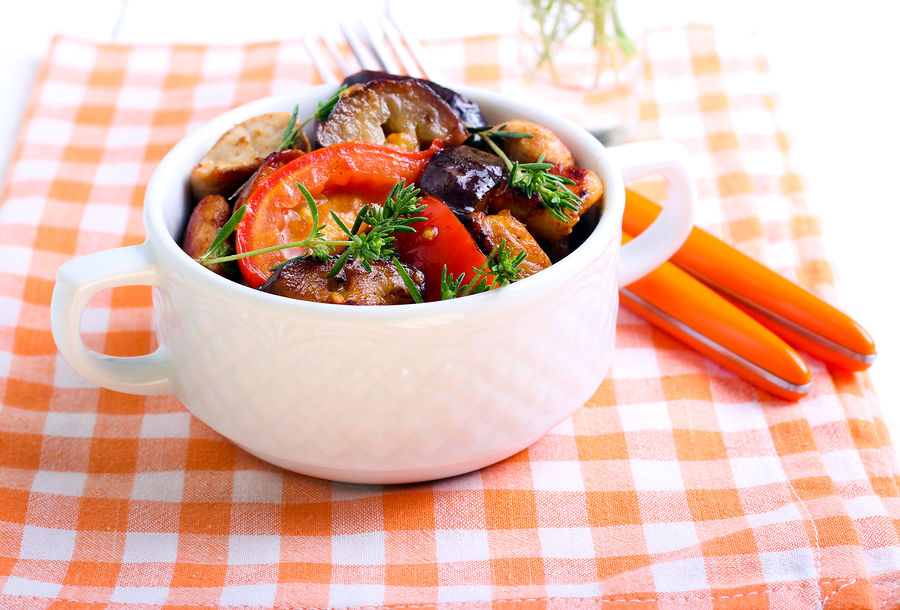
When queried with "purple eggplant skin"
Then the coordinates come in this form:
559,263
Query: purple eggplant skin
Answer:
306,279
467,110
464,178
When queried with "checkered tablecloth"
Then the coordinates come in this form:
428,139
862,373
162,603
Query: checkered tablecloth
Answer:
678,485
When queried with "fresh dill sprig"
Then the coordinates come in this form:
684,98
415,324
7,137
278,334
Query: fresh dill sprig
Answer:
534,178
395,216
499,263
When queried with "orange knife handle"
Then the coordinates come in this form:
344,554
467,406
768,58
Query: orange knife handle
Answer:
686,308
799,317
803,343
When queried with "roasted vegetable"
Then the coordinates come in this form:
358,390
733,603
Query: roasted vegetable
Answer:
238,153
462,177
401,114
467,110
272,163
209,215
532,213
529,150
341,178
491,230
306,279
440,242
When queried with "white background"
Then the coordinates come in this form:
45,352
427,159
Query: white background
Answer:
835,64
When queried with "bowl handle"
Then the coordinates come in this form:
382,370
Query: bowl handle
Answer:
76,282
661,239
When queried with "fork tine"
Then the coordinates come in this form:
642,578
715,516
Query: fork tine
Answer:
363,55
430,71
375,39
319,62
336,56
393,37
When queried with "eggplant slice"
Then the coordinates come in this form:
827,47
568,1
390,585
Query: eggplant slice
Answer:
306,279
402,114
467,110
462,177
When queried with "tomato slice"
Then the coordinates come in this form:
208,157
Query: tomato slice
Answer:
342,178
440,240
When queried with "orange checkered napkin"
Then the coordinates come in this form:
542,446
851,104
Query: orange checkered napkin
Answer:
677,485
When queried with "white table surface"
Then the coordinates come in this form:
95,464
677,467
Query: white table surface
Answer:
836,68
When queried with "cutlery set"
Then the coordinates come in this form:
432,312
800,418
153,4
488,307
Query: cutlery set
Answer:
716,300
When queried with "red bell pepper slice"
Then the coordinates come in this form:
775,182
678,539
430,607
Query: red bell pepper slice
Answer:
440,240
342,178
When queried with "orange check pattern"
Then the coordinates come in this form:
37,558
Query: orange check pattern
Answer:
677,485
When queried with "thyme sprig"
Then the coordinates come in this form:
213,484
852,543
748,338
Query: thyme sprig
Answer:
498,131
535,178
292,135
325,109
400,210
395,216
499,263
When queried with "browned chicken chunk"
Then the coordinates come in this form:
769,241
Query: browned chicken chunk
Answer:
529,150
490,231
305,279
532,213
209,215
237,154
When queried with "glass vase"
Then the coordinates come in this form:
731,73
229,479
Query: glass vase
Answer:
574,55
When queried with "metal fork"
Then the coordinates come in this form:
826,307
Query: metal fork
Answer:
376,44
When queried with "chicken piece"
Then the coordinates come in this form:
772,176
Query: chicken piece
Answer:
529,150
403,114
305,279
490,230
237,154
209,215
532,213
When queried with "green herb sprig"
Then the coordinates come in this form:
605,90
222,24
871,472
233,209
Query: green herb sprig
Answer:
324,110
398,212
535,178
500,263
557,20
293,133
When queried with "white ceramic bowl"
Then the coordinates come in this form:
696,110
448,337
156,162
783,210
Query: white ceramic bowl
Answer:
376,394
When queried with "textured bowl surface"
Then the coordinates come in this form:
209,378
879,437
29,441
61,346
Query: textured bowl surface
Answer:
395,394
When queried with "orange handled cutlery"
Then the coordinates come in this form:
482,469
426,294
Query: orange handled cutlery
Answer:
690,311
740,313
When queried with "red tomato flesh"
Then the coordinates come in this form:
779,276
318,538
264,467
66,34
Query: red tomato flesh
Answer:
341,178
440,240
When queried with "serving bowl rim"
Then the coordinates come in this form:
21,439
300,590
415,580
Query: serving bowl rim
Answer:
173,173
